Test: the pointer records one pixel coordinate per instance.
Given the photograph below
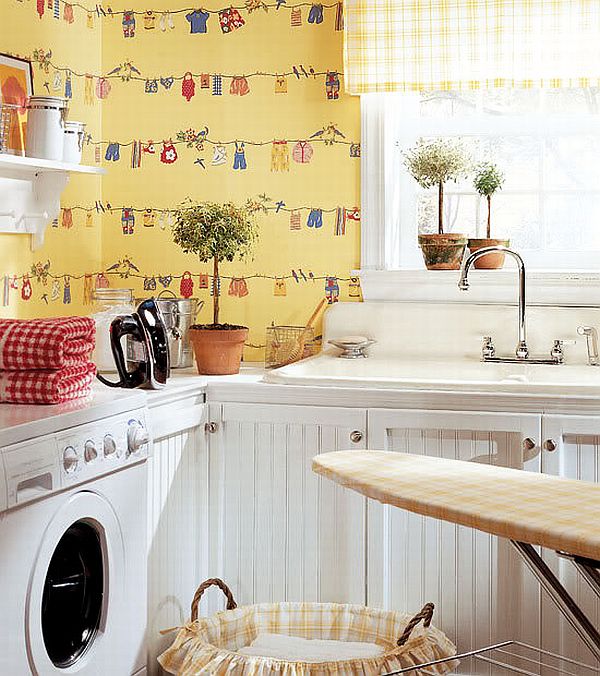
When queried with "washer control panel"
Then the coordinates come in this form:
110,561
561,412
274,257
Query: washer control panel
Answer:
43,466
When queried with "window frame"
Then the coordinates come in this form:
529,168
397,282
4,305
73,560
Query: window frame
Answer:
389,249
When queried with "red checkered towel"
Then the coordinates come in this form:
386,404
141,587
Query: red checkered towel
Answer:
47,386
27,344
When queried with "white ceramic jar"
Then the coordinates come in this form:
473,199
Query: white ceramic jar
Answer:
74,136
45,127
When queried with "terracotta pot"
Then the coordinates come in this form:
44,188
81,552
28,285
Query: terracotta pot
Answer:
218,351
493,261
443,252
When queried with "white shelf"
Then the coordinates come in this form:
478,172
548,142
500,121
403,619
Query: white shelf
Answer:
30,191
31,166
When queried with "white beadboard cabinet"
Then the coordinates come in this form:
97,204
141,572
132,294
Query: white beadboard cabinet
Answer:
576,455
177,517
474,579
278,531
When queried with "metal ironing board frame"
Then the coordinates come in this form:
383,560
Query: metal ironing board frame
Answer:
571,611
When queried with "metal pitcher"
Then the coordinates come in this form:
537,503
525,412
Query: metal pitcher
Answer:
179,314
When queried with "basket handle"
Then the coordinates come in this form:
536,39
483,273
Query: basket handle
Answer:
425,614
212,582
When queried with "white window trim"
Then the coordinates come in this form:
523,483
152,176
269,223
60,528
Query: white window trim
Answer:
390,268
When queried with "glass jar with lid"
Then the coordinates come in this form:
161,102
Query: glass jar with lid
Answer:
108,304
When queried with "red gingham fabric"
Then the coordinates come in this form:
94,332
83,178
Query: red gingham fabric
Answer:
55,343
47,386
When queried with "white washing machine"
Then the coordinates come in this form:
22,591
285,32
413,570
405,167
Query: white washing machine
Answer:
73,551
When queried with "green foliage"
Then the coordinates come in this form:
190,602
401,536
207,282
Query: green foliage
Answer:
488,179
433,162
216,231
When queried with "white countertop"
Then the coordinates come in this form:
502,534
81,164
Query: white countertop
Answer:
19,422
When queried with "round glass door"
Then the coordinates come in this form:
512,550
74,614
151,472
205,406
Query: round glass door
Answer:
72,594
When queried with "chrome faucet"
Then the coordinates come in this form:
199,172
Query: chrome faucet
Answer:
521,351
591,336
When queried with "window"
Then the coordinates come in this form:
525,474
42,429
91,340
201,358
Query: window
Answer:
547,143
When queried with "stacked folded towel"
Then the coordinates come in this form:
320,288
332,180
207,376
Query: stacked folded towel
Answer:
46,361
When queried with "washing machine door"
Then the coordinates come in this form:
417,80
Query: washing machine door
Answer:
76,592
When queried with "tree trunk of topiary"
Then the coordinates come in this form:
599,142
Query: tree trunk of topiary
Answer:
441,209
215,290
489,220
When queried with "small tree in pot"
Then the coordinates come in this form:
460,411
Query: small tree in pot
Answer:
432,164
217,233
488,180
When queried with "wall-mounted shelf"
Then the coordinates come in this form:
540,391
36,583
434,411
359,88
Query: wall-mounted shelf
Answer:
30,191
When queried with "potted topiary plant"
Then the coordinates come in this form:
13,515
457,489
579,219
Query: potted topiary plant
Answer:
217,233
488,180
433,163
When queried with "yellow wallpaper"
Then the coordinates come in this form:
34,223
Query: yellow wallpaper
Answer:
267,43
77,250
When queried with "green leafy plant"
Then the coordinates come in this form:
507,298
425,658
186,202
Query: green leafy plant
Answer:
434,162
218,233
488,180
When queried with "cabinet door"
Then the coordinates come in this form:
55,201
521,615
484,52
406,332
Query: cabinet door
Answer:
278,531
177,519
570,448
474,579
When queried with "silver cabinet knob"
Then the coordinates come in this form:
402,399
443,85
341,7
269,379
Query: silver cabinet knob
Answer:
70,460
528,444
356,436
550,445
89,451
211,427
110,445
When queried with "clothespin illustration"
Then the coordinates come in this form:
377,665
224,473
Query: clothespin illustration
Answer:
303,275
303,69
279,206
311,275
295,276
295,71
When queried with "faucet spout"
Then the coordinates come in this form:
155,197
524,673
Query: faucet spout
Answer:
522,351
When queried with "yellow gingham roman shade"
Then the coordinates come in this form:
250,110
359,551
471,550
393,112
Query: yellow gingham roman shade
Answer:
414,45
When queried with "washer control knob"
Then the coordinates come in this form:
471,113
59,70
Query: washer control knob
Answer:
70,460
110,446
89,451
137,436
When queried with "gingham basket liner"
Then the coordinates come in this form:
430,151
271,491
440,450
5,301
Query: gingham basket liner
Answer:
208,645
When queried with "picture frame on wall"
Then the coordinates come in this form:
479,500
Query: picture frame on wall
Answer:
16,86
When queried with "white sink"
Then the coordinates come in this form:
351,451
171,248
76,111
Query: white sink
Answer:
461,375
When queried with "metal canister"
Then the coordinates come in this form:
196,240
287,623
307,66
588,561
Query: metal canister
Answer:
179,314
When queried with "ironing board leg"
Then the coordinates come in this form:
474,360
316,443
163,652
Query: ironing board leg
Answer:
589,569
561,597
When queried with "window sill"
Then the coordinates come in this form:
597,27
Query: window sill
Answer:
487,286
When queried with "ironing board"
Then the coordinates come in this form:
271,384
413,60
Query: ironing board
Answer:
529,509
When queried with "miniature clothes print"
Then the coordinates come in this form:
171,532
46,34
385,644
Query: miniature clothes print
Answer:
316,13
68,13
230,19
113,152
315,218
238,287
204,80
128,24
332,85
217,85
280,156
239,86
239,157
296,17
219,155
281,84
188,87
295,220
127,220
302,152
168,154
149,20
198,19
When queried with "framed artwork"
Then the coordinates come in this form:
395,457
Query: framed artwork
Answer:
16,86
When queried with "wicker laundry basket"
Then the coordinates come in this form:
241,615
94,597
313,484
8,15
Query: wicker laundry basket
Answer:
208,645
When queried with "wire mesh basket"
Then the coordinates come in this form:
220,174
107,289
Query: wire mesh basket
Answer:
509,657
288,344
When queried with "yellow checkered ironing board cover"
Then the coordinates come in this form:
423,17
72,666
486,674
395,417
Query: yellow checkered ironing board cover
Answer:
539,509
